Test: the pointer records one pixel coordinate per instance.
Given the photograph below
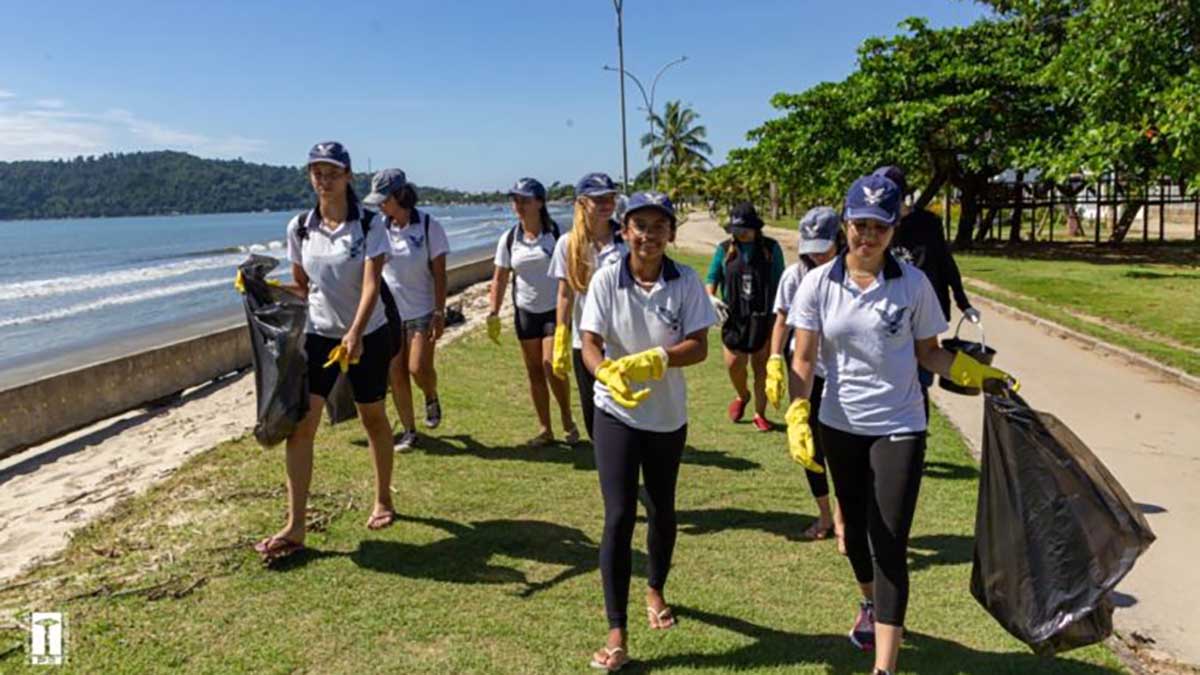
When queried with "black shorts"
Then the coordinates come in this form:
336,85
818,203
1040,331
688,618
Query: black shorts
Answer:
533,326
368,377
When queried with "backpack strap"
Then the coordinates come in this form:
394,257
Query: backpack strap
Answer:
302,224
428,247
365,220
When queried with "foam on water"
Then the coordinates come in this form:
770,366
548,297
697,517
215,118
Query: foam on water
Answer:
112,301
42,288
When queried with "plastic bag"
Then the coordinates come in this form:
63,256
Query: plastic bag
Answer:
340,407
276,320
1054,531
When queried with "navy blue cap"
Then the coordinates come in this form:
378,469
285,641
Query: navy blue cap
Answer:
528,187
743,215
329,152
384,184
651,200
819,229
873,198
595,185
894,174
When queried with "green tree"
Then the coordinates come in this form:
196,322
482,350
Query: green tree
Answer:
677,140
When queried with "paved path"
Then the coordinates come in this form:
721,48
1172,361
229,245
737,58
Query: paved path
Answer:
1143,426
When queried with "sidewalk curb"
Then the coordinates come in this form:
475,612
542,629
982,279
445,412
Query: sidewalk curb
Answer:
1097,344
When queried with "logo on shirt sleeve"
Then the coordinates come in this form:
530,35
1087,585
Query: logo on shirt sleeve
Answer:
893,321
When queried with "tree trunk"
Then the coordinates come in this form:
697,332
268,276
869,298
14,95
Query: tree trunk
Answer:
774,187
1014,232
985,227
967,214
930,191
1126,221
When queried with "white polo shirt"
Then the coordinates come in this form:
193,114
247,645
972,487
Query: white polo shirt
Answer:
631,319
789,283
334,261
537,291
407,272
867,344
610,254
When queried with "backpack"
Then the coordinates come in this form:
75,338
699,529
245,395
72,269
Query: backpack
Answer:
508,244
748,291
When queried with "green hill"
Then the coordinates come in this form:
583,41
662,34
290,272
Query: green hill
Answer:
148,183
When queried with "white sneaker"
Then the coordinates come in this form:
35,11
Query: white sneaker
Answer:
406,442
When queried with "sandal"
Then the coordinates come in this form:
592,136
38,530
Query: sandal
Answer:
571,436
817,533
273,549
378,521
660,620
541,440
615,658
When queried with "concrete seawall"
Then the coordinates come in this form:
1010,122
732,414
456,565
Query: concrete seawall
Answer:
49,404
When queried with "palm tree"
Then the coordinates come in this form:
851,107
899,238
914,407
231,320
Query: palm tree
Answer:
677,140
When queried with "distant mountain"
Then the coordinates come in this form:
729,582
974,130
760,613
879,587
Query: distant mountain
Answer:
149,183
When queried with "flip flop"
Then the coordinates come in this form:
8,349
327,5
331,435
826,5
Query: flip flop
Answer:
816,533
273,549
661,620
610,652
378,521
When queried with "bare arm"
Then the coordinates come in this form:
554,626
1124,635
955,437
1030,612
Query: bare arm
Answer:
804,360
691,350
593,351
373,269
496,292
779,333
933,358
299,285
566,303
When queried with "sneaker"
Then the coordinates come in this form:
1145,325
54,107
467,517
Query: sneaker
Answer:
406,442
863,633
571,437
761,423
433,413
737,409
881,671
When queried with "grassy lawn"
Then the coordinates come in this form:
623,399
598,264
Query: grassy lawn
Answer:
1156,299
493,567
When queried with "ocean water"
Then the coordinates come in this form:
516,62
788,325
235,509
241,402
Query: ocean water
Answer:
67,284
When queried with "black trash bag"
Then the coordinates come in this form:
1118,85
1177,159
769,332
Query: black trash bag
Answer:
1054,531
276,320
339,407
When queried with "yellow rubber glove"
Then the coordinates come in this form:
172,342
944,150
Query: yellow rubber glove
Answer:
967,372
561,360
341,357
493,328
800,440
647,365
609,374
776,380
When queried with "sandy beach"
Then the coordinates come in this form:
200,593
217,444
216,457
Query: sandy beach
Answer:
49,491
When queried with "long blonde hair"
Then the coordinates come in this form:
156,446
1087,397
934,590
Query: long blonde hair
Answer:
579,250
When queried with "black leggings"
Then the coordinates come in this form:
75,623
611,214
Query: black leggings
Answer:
585,382
877,479
620,451
817,482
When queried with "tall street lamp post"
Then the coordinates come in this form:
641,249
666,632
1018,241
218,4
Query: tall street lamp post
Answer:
649,102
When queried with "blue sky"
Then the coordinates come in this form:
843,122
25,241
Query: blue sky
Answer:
459,94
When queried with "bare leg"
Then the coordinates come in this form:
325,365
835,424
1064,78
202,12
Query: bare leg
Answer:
758,361
299,464
402,388
379,436
887,646
420,363
735,363
531,352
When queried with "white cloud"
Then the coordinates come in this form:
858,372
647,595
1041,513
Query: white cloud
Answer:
4,93
49,131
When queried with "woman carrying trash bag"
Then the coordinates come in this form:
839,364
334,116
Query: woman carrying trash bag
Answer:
593,244
524,251
820,232
875,320
745,271
337,259
645,319
416,275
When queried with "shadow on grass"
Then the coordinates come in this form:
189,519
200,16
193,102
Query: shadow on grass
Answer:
580,456
465,556
775,648
1182,252
948,471
788,525
933,550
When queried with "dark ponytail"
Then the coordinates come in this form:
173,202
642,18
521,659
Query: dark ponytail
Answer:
406,196
548,223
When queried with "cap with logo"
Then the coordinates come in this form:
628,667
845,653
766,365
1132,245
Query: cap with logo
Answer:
528,187
873,198
384,184
743,215
651,200
819,229
329,152
595,185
